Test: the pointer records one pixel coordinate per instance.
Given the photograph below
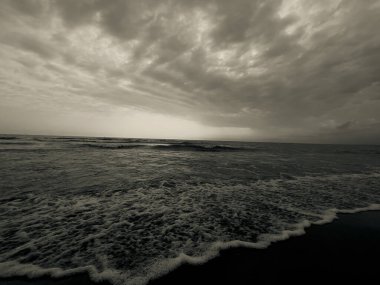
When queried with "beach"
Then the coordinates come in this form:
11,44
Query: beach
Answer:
345,250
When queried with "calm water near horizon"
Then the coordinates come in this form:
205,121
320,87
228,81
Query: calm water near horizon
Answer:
125,206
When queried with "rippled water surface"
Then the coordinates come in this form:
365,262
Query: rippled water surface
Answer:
122,206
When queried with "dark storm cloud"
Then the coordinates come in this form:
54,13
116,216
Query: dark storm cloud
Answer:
287,70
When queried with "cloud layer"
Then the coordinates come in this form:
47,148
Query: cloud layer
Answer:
258,70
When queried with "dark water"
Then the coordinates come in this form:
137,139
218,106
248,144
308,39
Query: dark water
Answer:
124,208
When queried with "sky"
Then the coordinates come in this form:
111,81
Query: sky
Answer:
283,71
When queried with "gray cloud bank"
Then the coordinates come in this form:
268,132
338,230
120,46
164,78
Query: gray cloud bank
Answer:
281,70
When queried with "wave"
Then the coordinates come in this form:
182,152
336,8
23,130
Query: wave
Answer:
15,143
8,138
11,269
64,140
169,147
200,147
113,146
263,242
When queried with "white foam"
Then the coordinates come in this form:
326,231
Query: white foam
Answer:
146,231
263,242
14,268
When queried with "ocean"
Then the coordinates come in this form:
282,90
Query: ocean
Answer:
128,210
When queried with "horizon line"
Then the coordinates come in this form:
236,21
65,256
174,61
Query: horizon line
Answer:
208,140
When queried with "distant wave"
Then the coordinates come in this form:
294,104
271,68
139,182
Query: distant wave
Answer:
11,142
169,147
8,138
197,147
63,139
113,146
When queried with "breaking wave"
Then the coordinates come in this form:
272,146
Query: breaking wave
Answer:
9,269
169,147
8,138
137,236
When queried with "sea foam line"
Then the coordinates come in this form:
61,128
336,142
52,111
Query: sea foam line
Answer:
15,269
264,241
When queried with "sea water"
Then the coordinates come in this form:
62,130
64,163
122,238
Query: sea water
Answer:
127,210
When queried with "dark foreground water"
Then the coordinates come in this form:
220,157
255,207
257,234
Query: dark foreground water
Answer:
130,209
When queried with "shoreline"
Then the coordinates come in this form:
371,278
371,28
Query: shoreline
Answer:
341,250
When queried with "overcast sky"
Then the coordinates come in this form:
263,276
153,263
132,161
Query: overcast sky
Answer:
296,71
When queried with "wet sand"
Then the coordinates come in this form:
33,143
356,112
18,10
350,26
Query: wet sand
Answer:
346,250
